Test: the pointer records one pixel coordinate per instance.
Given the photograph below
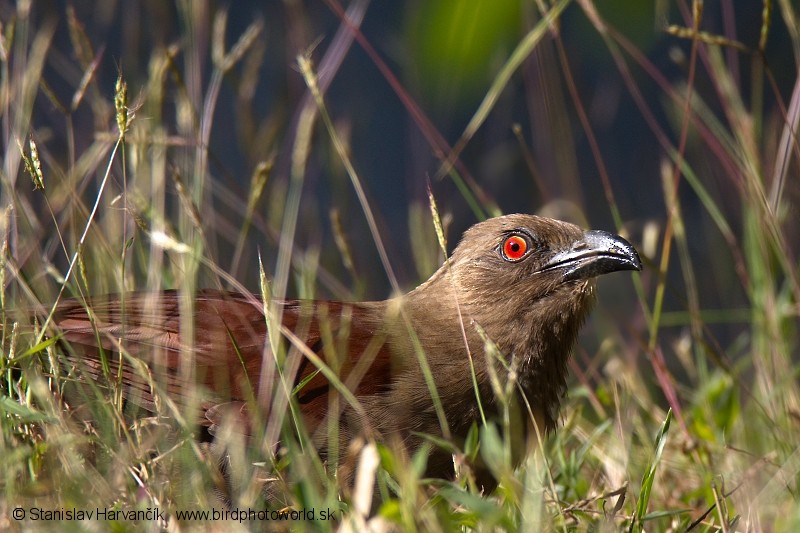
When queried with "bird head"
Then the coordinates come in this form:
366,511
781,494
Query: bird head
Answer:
516,263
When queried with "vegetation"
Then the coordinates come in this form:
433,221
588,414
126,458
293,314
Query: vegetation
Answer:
684,404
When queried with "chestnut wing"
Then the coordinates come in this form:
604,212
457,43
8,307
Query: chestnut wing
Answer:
229,347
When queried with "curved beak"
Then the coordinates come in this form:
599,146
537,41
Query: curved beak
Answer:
598,252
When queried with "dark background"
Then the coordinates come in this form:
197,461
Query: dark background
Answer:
445,54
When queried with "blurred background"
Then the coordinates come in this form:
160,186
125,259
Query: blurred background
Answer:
587,124
586,128
670,122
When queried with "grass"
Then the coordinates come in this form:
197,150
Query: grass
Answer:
682,417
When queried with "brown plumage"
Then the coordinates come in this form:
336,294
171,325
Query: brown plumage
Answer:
523,281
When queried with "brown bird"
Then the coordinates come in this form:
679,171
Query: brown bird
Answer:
516,288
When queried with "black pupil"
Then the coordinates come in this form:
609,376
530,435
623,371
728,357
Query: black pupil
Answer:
514,247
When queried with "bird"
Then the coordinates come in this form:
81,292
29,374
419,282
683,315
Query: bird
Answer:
505,307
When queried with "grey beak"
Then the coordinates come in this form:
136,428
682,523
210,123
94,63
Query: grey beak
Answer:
599,252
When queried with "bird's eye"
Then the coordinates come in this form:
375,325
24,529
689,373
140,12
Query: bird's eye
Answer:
515,247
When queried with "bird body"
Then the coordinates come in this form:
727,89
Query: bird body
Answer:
507,305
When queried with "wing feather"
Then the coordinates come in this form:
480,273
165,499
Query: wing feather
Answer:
228,349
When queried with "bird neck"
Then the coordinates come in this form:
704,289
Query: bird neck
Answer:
545,351
535,336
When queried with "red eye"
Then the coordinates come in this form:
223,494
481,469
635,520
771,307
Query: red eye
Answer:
514,248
